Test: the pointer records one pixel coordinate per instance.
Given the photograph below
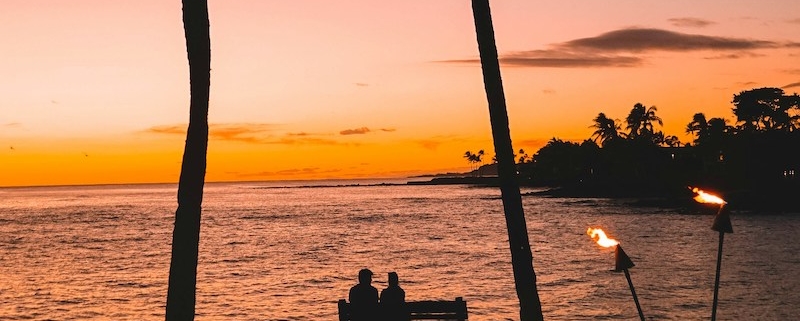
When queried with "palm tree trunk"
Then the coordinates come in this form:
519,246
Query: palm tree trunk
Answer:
186,233
521,257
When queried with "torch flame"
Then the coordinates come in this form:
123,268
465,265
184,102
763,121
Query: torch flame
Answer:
600,237
703,197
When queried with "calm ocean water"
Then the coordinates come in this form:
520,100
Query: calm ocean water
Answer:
282,251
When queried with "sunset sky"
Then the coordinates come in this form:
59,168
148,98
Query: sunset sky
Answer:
96,91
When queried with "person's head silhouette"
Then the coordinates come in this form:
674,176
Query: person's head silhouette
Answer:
393,279
365,276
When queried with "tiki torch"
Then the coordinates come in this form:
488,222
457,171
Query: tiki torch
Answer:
722,224
622,262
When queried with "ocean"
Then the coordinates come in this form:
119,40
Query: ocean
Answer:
290,250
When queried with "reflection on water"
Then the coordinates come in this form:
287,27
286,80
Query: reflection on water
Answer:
102,253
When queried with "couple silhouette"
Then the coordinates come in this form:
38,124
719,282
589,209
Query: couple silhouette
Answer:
366,305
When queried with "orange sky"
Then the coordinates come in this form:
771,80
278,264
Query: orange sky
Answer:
96,91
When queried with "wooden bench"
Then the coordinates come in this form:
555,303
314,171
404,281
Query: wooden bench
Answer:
423,310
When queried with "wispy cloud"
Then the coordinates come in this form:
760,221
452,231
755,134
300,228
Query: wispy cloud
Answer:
648,39
430,144
795,21
355,131
433,143
736,55
791,71
242,132
792,85
292,171
304,141
248,133
690,22
560,59
626,47
531,145
364,130
253,133
12,125
167,129
361,84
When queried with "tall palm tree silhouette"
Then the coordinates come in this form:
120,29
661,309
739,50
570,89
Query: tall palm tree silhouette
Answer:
607,129
698,126
521,257
640,121
186,234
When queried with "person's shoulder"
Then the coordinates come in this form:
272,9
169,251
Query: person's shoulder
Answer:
363,287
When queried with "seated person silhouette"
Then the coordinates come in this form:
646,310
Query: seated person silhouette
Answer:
393,301
364,298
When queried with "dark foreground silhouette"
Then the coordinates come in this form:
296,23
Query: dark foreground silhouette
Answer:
753,163
365,304
364,298
182,286
393,300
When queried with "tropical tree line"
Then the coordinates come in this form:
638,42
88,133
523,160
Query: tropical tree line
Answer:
753,155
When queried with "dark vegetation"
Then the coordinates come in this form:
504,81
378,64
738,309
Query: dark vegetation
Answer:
752,162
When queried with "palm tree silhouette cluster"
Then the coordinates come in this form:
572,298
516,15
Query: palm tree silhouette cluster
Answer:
756,153
753,158
640,124
475,160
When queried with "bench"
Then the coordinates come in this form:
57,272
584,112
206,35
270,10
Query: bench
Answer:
422,310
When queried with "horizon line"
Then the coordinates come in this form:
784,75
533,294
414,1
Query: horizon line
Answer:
216,182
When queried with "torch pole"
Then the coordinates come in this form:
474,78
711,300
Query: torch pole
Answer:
722,224
622,262
635,297
716,280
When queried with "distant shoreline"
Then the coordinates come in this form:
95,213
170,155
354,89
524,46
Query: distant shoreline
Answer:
450,180
748,200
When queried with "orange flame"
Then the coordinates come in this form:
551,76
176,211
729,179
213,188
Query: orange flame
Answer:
703,197
600,237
